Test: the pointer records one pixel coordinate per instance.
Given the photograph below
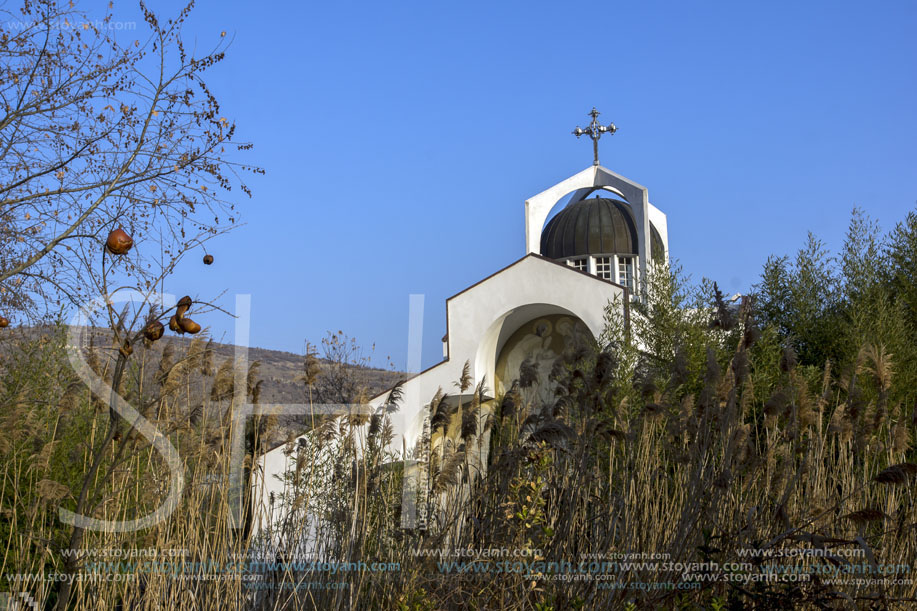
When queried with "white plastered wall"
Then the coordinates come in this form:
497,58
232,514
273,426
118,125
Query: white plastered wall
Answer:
477,320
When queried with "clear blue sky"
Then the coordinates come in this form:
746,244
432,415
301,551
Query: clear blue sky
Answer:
401,139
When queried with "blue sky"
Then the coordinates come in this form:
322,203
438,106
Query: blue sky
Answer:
401,139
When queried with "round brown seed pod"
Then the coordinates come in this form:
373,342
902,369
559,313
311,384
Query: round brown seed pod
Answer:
189,326
208,259
119,242
182,306
4,322
153,331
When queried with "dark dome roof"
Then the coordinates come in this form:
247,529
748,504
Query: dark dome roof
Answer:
590,227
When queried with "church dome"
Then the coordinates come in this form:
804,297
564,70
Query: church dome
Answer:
590,227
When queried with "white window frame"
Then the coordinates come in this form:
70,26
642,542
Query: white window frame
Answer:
619,261
582,260
610,261
615,261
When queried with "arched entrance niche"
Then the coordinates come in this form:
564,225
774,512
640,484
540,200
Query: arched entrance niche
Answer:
516,325
538,332
537,345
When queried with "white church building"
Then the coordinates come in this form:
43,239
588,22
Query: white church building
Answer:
600,242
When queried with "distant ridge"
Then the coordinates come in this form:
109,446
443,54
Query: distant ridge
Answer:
280,371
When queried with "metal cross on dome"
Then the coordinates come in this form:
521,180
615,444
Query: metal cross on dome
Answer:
595,131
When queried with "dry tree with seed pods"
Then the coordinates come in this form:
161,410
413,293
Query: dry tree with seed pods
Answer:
139,141
111,142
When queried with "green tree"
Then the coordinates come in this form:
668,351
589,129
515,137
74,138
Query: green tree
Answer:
802,301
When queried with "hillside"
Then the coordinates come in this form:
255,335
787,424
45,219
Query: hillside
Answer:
280,371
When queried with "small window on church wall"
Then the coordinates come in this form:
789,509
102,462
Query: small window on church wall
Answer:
603,267
580,264
626,272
